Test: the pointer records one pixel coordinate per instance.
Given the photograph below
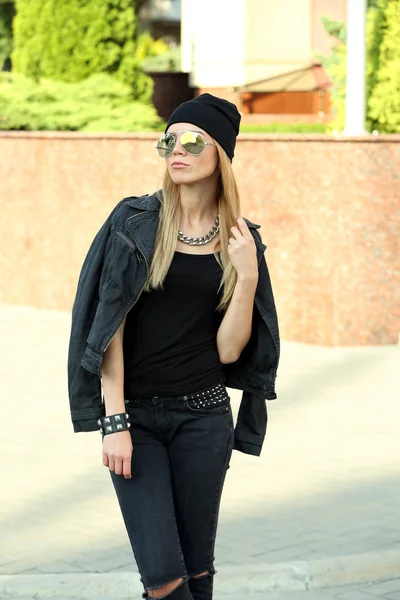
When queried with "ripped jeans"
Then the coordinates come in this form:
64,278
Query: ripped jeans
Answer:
182,446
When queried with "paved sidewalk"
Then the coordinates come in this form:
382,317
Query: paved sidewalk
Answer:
384,590
326,485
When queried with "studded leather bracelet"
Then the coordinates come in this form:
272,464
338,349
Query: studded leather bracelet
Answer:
114,423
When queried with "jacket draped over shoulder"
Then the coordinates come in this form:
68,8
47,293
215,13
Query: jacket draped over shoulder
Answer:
111,279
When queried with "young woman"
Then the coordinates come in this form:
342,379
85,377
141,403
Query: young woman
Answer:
173,322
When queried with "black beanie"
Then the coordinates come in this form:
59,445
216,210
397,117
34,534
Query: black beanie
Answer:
218,117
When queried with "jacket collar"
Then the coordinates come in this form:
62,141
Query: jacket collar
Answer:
152,202
145,202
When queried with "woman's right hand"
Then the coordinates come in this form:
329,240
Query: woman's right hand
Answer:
117,452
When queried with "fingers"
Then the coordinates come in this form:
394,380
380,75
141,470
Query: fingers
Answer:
127,468
242,231
236,233
120,465
123,467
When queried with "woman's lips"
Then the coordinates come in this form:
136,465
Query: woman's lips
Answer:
179,165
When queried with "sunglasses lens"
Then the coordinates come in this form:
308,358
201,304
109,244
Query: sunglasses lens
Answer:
165,145
192,142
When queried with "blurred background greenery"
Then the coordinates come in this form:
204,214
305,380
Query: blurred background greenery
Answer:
84,66
383,67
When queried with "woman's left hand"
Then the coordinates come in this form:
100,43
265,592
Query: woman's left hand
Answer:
243,252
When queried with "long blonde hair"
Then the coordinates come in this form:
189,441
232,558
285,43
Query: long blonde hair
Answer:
165,242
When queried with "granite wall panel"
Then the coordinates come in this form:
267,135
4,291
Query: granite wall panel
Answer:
329,208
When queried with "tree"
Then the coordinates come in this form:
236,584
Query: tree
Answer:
7,12
384,100
376,26
69,40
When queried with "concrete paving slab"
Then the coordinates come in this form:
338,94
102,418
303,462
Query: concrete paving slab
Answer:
385,587
348,592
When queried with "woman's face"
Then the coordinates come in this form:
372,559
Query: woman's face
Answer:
185,168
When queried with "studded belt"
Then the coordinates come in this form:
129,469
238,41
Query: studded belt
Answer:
209,397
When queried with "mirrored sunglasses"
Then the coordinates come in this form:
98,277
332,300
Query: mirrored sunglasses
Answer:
191,141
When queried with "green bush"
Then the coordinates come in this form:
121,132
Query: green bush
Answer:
168,61
376,25
100,103
70,40
284,128
7,12
335,65
384,101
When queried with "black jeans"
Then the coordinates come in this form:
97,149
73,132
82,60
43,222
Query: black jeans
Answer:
182,446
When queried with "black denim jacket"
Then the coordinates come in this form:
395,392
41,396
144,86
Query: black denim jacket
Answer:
111,280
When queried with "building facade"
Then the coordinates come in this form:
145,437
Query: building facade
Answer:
261,54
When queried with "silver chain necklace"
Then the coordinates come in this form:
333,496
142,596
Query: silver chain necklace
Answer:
198,241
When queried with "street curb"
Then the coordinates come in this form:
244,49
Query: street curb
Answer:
244,579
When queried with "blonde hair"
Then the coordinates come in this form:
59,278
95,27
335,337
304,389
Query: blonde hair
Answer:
165,242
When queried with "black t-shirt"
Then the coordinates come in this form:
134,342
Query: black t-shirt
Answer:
170,334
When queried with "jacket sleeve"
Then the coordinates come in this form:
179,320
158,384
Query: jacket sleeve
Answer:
84,388
251,424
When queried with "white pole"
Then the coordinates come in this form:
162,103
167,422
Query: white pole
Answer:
356,68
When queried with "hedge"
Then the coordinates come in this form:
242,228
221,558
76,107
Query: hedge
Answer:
100,103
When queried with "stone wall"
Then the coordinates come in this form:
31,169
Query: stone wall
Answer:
329,209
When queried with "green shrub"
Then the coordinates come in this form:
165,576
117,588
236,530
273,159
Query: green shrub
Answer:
100,103
168,61
335,65
384,101
147,47
7,12
284,128
70,40
376,25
